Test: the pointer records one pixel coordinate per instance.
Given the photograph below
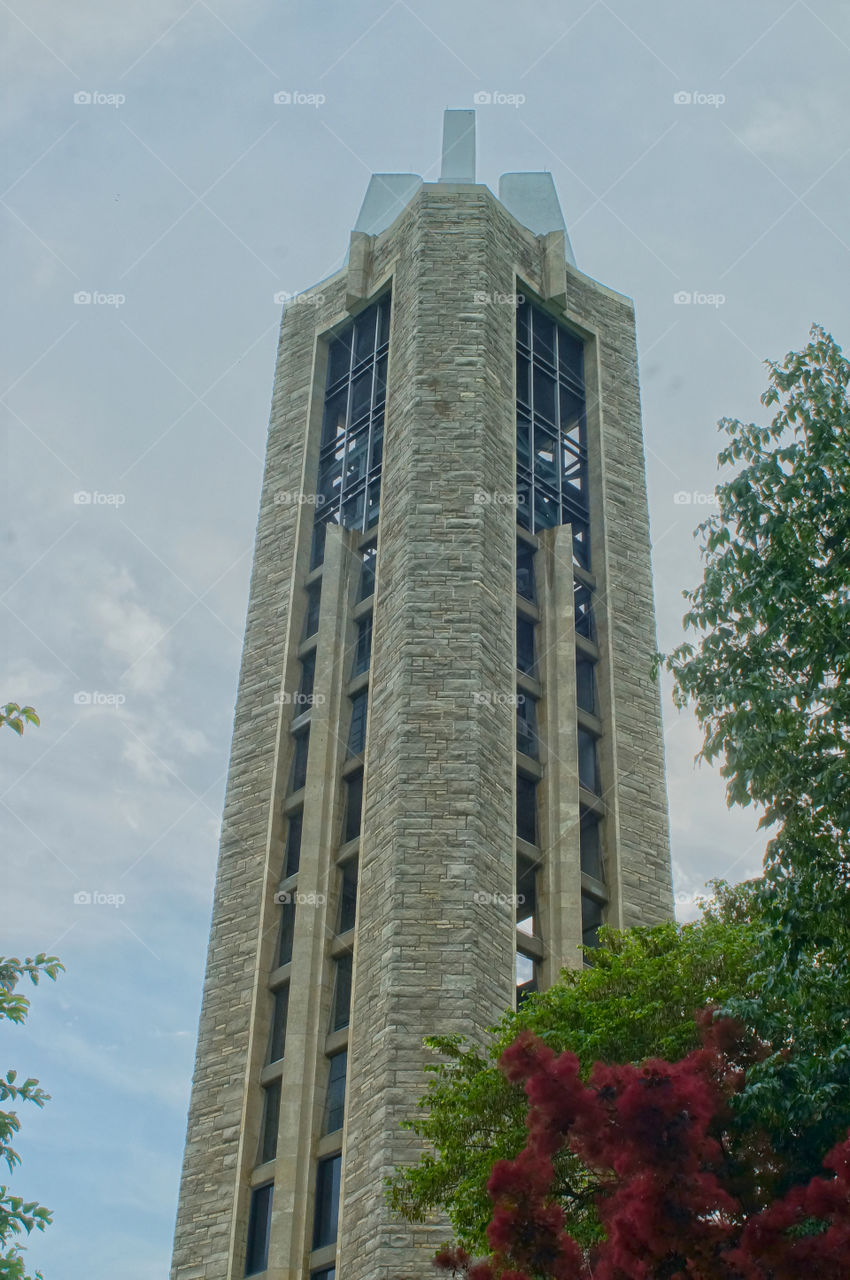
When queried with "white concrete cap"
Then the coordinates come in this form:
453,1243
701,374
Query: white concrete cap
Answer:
458,147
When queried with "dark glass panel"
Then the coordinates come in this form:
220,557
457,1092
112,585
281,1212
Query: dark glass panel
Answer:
526,725
583,611
293,843
339,357
300,751
311,617
259,1221
588,768
522,323
523,442
586,685
526,808
326,1217
353,806
367,572
525,659
525,571
363,646
342,993
357,728
570,357
364,334
361,396
335,1096
543,385
526,892
523,374
384,321
348,897
592,916
591,846
320,530
287,931
304,696
280,1011
333,422
544,335
271,1121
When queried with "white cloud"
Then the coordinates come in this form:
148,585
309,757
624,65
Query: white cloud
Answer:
133,634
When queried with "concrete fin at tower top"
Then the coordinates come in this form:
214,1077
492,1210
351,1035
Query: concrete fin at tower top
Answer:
386,196
458,164
532,199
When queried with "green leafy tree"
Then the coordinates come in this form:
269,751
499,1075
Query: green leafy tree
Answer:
636,1000
15,717
17,1216
768,679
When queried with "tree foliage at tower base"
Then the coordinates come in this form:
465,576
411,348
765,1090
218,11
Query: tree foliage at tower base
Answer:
680,1194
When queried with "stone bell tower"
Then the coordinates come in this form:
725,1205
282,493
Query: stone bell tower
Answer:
447,765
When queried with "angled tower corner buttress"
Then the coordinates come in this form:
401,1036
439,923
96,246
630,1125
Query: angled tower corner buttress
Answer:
447,765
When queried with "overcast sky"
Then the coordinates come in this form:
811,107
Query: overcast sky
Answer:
179,192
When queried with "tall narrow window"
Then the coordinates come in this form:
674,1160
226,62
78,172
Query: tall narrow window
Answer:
259,1222
526,808
357,729
526,725
551,430
304,696
335,1096
526,896
592,917
586,685
583,605
294,827
591,846
280,1011
287,931
300,749
526,977
525,571
588,764
349,481
348,897
314,603
366,586
363,646
353,806
271,1121
525,659
341,1012
326,1219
